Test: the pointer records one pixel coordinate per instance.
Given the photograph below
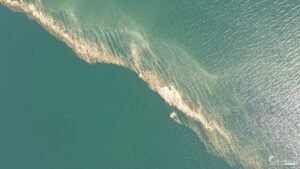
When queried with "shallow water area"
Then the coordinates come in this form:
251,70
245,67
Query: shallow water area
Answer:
229,70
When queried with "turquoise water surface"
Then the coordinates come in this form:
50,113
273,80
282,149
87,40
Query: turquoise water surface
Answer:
59,112
170,84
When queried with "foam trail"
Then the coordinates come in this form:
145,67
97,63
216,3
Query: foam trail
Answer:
137,53
88,51
175,117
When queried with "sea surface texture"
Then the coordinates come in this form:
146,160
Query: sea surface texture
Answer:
230,70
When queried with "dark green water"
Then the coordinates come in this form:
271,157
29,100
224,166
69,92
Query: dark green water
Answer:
58,112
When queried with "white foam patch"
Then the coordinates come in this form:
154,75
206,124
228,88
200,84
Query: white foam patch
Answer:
220,139
87,50
175,117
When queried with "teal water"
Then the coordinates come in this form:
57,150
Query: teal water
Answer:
59,112
227,70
